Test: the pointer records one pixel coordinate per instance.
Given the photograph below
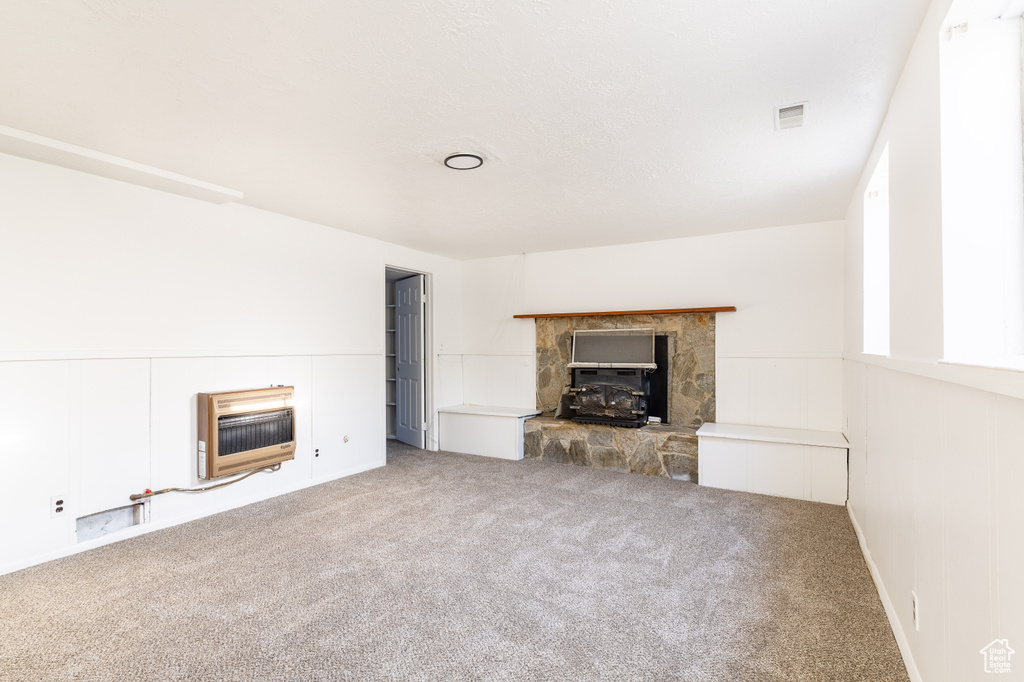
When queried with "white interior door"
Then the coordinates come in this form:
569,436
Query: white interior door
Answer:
409,398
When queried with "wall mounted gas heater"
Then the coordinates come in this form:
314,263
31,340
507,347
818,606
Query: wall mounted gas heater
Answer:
244,430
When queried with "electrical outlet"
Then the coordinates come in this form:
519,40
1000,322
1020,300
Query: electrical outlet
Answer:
58,506
916,610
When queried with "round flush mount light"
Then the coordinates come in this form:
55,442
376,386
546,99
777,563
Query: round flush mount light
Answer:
464,161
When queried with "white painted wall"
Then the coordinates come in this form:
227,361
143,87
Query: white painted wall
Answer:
779,355
499,364
121,303
936,450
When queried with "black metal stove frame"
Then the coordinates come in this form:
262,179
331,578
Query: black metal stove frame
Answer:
610,376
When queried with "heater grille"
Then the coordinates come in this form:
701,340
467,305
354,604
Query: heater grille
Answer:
238,433
613,348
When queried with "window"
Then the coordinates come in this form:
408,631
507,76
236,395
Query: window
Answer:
982,185
876,259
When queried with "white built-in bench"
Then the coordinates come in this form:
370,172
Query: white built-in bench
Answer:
797,463
483,430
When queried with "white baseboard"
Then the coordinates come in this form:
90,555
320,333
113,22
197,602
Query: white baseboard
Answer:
890,610
144,528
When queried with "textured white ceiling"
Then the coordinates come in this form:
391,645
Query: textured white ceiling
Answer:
602,121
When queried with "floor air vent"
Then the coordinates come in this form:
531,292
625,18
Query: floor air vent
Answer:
110,521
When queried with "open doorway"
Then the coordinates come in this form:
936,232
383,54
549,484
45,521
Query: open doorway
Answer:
407,372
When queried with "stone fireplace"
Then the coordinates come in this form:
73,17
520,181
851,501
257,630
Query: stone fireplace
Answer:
668,449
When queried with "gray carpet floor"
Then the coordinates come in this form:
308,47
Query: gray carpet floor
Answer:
452,567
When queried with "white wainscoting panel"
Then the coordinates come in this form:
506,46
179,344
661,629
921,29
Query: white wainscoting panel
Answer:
348,402
36,407
922,421
786,392
449,369
508,380
1007,486
175,382
823,394
968,445
779,393
114,434
937,488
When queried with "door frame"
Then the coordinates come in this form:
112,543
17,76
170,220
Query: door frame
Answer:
429,414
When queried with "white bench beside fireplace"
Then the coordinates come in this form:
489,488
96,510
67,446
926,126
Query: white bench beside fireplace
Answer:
483,430
796,463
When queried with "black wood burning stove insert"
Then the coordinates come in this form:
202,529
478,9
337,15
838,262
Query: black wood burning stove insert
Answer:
611,381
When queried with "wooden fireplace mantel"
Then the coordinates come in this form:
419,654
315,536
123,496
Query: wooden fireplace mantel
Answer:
674,311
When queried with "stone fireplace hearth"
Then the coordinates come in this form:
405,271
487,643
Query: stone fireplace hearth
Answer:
662,450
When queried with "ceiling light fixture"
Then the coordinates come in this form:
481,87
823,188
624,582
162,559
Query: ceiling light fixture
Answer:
464,161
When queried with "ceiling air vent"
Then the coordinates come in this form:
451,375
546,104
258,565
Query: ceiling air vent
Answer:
789,117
